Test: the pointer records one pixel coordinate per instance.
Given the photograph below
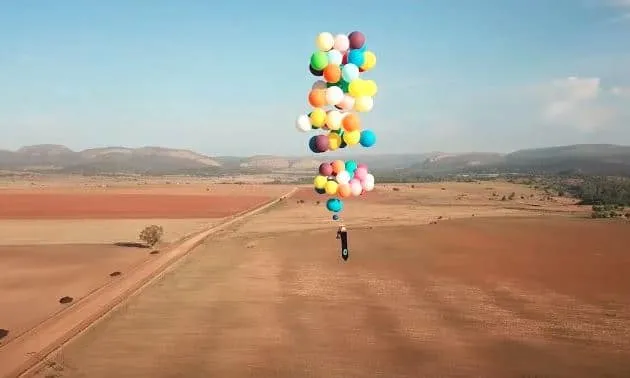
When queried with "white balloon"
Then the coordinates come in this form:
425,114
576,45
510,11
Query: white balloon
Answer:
334,119
342,43
303,123
334,95
343,177
319,84
363,104
369,178
349,72
335,57
369,186
356,188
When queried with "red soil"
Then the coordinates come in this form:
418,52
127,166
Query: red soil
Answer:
119,206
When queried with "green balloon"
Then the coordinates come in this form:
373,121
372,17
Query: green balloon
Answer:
344,85
319,60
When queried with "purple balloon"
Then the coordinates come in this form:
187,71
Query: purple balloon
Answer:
321,143
326,169
357,40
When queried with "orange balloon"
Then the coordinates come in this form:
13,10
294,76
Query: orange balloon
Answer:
332,73
317,98
351,122
338,166
344,190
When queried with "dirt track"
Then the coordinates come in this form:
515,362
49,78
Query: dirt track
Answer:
484,297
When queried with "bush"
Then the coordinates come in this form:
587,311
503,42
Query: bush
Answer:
152,235
511,197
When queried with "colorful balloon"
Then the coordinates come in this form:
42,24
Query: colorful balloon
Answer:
355,187
363,104
342,43
351,166
360,173
344,190
334,141
318,117
315,72
321,143
334,205
331,187
319,84
332,73
347,103
349,72
352,137
319,60
351,122
334,95
368,138
369,88
356,39
338,166
320,181
324,41
334,119
343,177
356,57
325,169
335,57
303,123
317,98
369,61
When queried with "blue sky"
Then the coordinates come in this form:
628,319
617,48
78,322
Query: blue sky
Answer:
230,77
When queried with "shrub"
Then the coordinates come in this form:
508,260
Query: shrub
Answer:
511,197
152,235
503,198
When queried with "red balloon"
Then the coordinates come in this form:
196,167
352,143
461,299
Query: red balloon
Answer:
344,58
357,40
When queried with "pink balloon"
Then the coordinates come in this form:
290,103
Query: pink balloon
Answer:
362,165
355,187
347,103
361,173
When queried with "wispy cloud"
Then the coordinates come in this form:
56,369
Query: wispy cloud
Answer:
622,6
582,104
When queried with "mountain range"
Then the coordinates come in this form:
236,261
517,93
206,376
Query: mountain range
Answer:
585,158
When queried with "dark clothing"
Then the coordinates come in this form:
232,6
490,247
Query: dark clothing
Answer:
343,235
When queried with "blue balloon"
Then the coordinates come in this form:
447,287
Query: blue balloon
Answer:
312,145
335,217
351,166
334,205
368,138
356,57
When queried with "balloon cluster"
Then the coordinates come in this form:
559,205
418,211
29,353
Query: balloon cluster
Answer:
342,179
336,99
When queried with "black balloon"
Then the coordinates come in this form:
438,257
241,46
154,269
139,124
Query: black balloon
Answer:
315,72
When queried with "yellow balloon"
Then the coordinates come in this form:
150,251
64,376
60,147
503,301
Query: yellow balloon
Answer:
352,137
324,41
331,187
318,117
369,61
370,88
356,87
363,104
334,141
320,182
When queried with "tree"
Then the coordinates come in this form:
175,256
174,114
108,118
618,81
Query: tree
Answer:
152,235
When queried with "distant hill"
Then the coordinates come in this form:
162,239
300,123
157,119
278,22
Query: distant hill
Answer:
585,158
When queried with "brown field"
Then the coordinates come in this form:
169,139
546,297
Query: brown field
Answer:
62,238
443,280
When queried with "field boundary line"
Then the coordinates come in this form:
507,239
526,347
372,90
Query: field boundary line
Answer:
25,354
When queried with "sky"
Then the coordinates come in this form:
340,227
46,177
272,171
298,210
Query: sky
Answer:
231,77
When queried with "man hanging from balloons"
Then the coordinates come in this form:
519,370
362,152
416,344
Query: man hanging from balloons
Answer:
336,99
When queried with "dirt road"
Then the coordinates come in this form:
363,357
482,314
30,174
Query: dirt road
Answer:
465,298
